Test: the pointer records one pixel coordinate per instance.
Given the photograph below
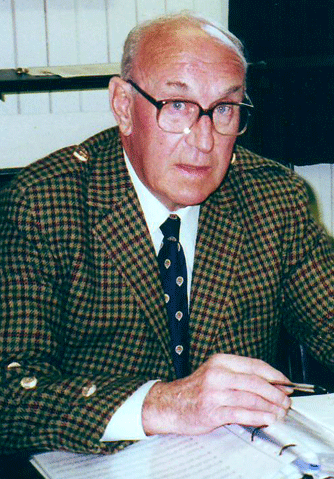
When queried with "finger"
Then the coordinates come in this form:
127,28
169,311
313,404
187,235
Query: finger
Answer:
245,417
241,364
249,401
252,383
286,389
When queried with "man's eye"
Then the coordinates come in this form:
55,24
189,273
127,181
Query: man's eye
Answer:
223,109
178,105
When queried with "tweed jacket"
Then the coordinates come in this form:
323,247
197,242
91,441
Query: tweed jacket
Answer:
83,319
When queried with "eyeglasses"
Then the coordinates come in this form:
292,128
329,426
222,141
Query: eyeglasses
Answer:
179,116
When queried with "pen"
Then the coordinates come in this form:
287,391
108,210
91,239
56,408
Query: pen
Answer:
306,388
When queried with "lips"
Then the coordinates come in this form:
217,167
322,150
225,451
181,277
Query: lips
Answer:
194,169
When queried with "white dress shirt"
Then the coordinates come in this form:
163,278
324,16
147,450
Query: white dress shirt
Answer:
126,422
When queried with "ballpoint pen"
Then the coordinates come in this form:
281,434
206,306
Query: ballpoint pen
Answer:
302,387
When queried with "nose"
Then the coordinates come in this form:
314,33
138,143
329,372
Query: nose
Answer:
201,134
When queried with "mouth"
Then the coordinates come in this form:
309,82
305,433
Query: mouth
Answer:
194,169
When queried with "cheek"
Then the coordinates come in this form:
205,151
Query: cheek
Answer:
163,149
156,165
223,152
225,144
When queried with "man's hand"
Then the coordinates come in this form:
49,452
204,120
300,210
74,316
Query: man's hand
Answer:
226,389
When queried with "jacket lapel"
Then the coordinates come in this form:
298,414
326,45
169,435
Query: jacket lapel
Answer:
218,247
120,225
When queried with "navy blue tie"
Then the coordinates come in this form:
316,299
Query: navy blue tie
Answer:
173,273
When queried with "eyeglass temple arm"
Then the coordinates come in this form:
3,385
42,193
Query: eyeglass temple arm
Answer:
157,104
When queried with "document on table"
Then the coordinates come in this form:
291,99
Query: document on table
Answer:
302,443
227,453
319,408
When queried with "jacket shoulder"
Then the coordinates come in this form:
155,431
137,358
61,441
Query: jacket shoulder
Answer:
248,160
254,166
74,161
260,179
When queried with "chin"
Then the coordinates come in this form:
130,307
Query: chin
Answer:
192,200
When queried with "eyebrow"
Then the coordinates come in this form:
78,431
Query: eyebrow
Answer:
233,89
179,85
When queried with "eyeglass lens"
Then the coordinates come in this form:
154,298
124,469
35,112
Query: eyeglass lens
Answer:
178,116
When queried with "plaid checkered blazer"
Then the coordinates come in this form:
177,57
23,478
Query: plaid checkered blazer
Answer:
83,320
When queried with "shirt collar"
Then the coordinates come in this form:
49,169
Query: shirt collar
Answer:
156,213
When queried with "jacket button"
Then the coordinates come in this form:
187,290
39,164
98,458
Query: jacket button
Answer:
13,365
88,390
81,154
28,382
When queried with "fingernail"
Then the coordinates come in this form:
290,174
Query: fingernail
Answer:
281,413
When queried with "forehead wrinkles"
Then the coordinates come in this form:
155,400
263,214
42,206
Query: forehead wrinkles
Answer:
225,64
188,54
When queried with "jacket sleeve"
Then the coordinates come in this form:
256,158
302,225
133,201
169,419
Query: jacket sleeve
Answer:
41,406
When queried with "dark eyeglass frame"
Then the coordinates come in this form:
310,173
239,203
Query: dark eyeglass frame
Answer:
159,104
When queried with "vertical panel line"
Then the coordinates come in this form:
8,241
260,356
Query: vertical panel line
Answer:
107,29
46,28
16,61
47,45
136,11
78,50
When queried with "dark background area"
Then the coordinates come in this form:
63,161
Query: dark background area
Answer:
290,47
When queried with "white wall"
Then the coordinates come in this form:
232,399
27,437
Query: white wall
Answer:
67,32
321,180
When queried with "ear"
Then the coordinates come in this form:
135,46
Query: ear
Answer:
121,100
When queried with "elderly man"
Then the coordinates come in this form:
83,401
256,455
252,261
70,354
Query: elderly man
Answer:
106,337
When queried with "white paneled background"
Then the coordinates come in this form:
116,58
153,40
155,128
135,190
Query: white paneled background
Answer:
321,179
68,32
74,32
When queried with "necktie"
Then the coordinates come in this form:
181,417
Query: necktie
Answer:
173,273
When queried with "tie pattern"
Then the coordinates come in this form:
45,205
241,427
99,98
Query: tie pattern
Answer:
173,273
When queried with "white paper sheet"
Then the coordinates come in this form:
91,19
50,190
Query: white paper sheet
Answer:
319,408
226,453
